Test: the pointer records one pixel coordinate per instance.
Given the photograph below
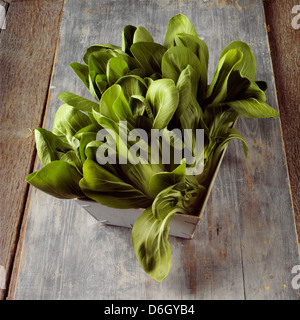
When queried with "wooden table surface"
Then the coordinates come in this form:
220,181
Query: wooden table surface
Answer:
246,244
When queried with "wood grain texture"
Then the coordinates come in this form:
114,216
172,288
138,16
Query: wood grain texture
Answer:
26,57
285,50
245,245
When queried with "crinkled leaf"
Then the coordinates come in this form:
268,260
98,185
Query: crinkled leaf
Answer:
240,88
237,85
252,91
168,200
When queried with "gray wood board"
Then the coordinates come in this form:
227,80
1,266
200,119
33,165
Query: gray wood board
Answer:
245,245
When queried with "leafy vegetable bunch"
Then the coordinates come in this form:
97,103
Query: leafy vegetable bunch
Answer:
150,86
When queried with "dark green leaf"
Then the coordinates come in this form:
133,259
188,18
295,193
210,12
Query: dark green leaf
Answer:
144,103
59,179
218,89
108,189
151,245
127,38
163,180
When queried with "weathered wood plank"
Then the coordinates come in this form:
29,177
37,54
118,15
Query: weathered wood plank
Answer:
245,245
24,81
285,48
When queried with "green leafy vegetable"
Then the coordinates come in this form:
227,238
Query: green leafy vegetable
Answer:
105,187
151,245
59,179
50,147
95,150
163,97
149,55
178,24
